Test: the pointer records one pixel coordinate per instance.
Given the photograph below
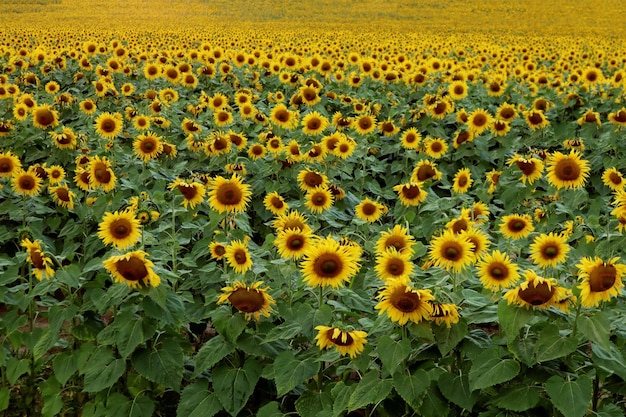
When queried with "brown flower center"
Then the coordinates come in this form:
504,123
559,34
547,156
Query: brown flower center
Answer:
247,301
407,302
498,271
537,294
328,265
229,194
121,228
411,191
132,269
567,170
602,278
339,339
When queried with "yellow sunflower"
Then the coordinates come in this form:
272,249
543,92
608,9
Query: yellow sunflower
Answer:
369,210
398,239
26,183
109,125
132,269
496,271
425,170
403,303
293,243
327,263
535,119
238,256
100,174
411,139
516,226
567,171
364,124
148,146
275,203
549,249
451,251
62,196
346,342
217,250
493,178
309,179
283,117
193,192
435,147
42,264
536,292
256,151
462,181
600,280
410,194
611,177
45,116
319,199
531,168
252,300
120,229
478,121
479,240
392,264
9,164
444,313
229,195
314,123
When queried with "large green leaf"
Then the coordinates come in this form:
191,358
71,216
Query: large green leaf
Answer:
610,360
341,397
517,398
53,402
228,324
596,328
551,345
161,363
271,409
571,398
456,389
141,406
512,318
448,337
64,364
132,331
5,396
211,353
434,404
102,370
311,403
489,369
234,386
290,371
393,353
411,387
370,389
197,401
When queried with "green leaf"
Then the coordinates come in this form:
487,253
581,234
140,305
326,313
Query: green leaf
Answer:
211,353
197,401
596,328
142,406
411,387
64,364
448,338
289,371
517,398
270,409
341,397
228,324
102,370
393,353
117,405
610,360
433,404
15,368
234,386
52,401
512,318
131,331
572,398
490,369
456,389
551,345
284,331
610,410
311,403
370,389
5,396
162,363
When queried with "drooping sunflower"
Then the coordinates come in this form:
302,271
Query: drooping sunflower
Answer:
347,342
369,210
460,224
611,177
9,164
192,191
238,256
496,271
600,280
549,249
536,292
62,196
101,174
531,168
425,170
462,181
403,303
26,183
319,199
109,125
535,119
148,146
314,123
391,264
435,147
252,300
327,263
410,194
45,116
567,171
411,139
66,139
229,195
451,251
42,264
132,269
618,117
293,243
310,179
120,229
493,178
275,203
444,313
397,238
516,226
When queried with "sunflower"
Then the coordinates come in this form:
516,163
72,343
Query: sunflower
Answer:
345,147
100,174
148,146
109,125
309,179
398,239
319,199
590,117
369,210
496,271
9,164
435,147
411,139
291,220
132,269
222,118
256,151
293,243
403,303
120,229
62,196
535,119
283,117
531,168
391,264
328,263
21,111
364,124
444,313
81,178
42,264
600,280
26,183
516,226
238,256
252,300
451,251
457,90
500,128
64,140
479,240
314,123
479,212
618,118
387,127
478,121
493,178
462,181
461,137
229,195
217,250
189,126
193,192
275,203
44,116
611,177
549,249
567,171
410,194
536,292
346,342
88,106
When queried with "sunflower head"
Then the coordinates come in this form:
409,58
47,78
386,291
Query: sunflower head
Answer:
403,303
133,269
347,342
252,300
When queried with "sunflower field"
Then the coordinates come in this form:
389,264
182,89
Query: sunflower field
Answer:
316,209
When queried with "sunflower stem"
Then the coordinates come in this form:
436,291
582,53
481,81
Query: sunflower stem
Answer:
596,393
319,305
575,325
174,240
